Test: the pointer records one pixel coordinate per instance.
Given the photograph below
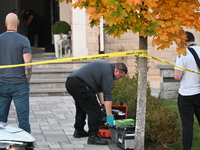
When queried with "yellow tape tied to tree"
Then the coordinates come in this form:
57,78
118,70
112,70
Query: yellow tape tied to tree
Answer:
140,53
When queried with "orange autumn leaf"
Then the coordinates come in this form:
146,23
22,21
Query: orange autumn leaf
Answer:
136,2
95,16
90,9
93,3
133,2
181,50
163,37
178,41
156,41
151,3
175,29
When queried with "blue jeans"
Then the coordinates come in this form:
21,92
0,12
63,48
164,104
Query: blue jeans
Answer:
19,93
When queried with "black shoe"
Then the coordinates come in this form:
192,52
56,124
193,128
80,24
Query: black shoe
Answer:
95,139
78,134
30,146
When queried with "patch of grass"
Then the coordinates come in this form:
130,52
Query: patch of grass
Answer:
171,104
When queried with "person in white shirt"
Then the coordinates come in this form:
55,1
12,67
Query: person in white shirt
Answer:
189,90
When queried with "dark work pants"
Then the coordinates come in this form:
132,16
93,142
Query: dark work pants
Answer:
32,31
188,106
86,103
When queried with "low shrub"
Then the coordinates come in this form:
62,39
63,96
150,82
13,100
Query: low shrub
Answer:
162,125
61,27
125,91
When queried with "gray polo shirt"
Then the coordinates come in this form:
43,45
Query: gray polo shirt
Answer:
99,76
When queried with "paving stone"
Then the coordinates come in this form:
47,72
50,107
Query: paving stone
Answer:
53,145
52,124
55,136
96,147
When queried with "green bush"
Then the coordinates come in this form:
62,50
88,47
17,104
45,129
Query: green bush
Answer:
125,90
162,125
61,27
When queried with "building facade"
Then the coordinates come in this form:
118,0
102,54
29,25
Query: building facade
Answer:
86,41
91,41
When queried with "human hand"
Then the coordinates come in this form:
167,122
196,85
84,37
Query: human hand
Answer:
110,120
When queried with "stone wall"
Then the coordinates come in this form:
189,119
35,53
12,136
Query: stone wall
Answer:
169,86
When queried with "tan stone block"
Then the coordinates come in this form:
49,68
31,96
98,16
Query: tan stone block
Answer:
93,47
89,30
92,40
165,54
153,72
154,81
129,35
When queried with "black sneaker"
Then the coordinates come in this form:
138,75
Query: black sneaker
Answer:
78,134
95,139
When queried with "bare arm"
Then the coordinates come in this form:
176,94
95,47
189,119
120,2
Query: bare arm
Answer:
178,74
28,69
29,20
108,105
100,97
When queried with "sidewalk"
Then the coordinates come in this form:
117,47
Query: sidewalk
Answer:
52,120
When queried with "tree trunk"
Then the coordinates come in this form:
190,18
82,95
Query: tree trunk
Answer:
141,97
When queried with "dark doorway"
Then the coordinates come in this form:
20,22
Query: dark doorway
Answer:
49,10
7,6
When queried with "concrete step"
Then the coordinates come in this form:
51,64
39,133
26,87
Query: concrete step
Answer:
49,79
67,65
45,73
47,83
48,92
43,56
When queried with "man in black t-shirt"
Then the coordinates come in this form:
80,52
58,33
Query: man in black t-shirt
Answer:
83,85
34,24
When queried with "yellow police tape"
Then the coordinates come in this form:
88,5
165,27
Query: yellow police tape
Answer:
163,61
140,53
70,59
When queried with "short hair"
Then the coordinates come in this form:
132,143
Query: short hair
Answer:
121,66
190,36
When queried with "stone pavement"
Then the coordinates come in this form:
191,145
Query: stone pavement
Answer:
52,119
